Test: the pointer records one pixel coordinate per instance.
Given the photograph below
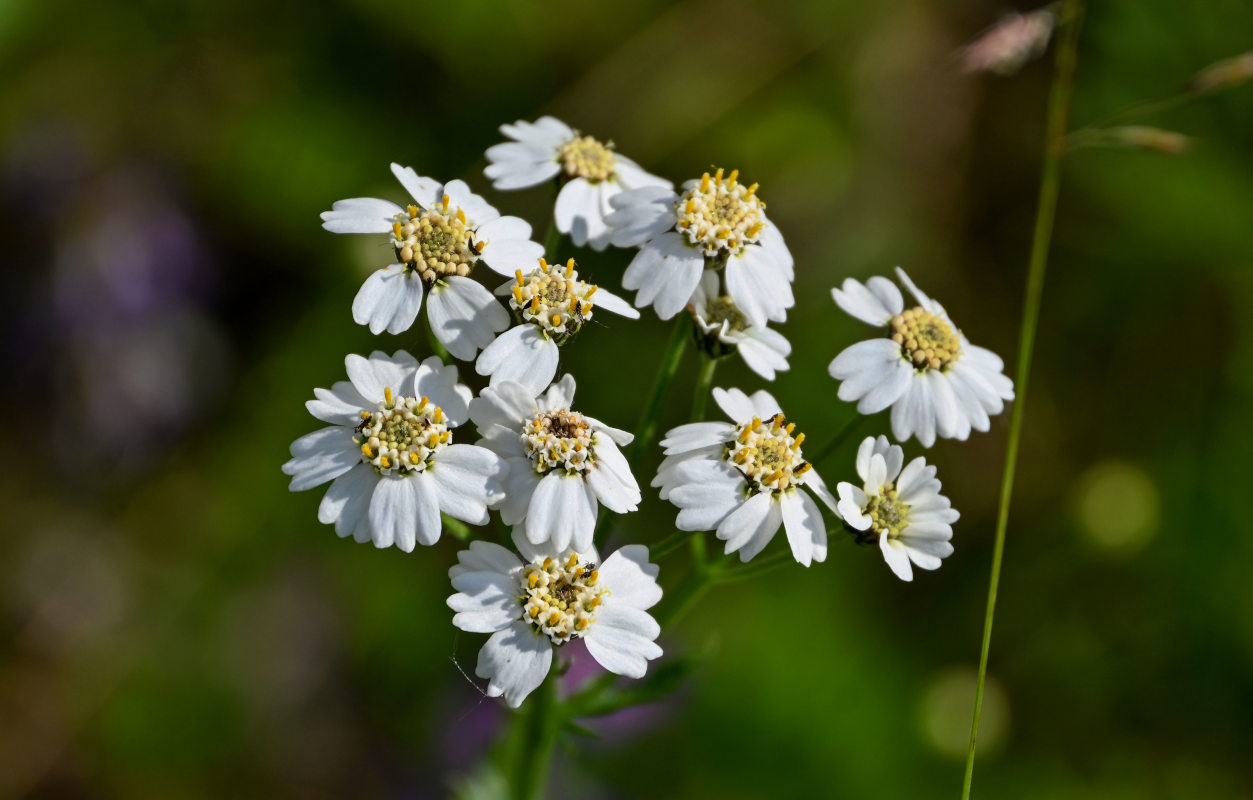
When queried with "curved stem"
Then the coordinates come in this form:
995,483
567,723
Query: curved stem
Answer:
840,437
1050,179
530,772
700,395
755,568
668,545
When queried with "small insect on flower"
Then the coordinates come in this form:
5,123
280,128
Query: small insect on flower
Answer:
721,328
900,509
562,464
437,241
536,603
924,368
744,479
717,222
390,455
550,305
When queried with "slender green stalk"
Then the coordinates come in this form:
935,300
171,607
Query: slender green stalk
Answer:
530,772
668,545
754,568
704,380
680,599
1050,179
840,437
647,425
552,241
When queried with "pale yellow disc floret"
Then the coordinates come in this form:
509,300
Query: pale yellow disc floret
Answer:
584,157
559,597
402,435
435,242
769,455
926,339
888,515
559,439
720,215
553,298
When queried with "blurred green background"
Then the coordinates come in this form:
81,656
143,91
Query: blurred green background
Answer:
176,623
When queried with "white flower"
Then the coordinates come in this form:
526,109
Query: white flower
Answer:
744,479
437,242
594,173
548,597
934,379
716,220
551,304
390,452
902,509
726,328
561,463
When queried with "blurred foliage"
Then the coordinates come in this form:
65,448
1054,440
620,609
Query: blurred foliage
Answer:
177,624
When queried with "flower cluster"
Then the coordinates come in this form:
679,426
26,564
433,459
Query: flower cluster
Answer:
402,467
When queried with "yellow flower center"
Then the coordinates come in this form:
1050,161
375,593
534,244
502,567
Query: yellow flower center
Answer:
435,242
402,435
559,596
560,439
769,455
925,338
584,157
720,214
553,298
888,515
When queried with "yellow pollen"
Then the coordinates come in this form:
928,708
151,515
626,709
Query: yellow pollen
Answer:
461,216
534,579
445,201
365,414
383,462
517,273
548,562
704,182
387,394
556,320
800,437
439,414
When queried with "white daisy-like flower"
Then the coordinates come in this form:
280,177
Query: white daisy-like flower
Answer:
717,221
538,602
561,463
723,328
390,453
437,240
900,508
744,478
551,304
594,173
934,379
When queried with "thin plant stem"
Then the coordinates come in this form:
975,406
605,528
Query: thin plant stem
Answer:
840,437
1050,179
755,568
530,772
647,425
698,580
700,395
668,545
552,241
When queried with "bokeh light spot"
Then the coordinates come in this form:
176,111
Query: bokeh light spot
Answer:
944,713
1118,506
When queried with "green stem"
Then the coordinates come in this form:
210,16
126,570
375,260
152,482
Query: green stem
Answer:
530,772
698,580
840,437
552,241
755,568
1050,180
668,545
457,528
700,395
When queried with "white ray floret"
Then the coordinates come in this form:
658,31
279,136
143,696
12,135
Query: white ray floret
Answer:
744,478
562,464
550,304
900,509
390,456
437,241
716,222
724,328
592,171
535,603
935,381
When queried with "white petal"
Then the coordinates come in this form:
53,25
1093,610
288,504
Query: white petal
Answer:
426,191
478,211
705,503
321,456
360,215
393,513
913,415
560,512
348,498
515,661
370,376
485,557
577,212
522,355
641,215
666,272
802,521
758,288
924,301
611,302
520,483
508,255
485,602
895,554
342,404
559,395
622,640
695,435
631,577
464,316
735,404
751,526
438,381
505,403
469,479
